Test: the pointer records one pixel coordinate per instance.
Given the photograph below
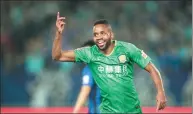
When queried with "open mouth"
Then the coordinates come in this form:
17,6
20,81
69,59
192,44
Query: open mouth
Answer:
101,43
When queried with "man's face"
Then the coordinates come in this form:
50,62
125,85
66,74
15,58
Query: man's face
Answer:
102,36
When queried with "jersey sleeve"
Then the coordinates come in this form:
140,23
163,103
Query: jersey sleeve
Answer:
138,56
83,54
87,79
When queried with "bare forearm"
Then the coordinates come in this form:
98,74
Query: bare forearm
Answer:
84,93
160,98
57,46
155,74
81,100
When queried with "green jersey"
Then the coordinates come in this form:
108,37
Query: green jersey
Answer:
114,75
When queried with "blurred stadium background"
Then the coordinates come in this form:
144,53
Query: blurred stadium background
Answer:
30,78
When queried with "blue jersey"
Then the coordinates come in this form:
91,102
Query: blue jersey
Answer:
94,96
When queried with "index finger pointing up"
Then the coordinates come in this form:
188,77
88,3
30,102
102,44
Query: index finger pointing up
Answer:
58,15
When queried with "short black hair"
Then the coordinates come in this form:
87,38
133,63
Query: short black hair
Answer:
101,21
88,43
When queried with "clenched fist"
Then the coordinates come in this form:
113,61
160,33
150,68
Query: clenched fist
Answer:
60,23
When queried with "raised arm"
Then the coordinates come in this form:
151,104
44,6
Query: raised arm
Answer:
57,53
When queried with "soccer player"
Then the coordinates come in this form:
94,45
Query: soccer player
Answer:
89,88
111,63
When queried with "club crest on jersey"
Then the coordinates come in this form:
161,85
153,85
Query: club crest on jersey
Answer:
122,58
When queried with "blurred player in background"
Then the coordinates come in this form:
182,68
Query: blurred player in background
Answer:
111,63
88,89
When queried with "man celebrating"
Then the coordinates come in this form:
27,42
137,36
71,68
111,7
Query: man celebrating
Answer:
111,63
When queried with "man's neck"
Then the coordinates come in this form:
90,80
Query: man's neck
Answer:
109,50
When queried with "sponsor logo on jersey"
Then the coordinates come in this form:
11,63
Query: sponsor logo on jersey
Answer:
144,55
122,58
